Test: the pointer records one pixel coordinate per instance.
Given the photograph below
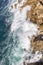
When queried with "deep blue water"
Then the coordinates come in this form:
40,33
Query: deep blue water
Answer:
4,33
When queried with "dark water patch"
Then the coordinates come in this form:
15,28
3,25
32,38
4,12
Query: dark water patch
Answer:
3,3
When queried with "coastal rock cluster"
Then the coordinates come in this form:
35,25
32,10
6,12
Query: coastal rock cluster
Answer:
36,16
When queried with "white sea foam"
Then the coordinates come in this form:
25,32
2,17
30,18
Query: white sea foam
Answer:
25,30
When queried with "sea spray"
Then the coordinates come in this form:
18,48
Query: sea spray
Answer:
17,43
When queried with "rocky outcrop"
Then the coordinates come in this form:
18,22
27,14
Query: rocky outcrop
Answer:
36,16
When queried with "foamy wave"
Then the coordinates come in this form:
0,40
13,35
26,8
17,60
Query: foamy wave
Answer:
22,31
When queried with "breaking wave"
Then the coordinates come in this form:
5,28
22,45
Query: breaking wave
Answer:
15,35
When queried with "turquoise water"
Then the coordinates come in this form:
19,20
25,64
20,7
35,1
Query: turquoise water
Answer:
8,44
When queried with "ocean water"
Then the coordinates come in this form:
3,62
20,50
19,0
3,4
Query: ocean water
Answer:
15,35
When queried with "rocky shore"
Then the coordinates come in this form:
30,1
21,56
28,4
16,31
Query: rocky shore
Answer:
36,16
37,63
